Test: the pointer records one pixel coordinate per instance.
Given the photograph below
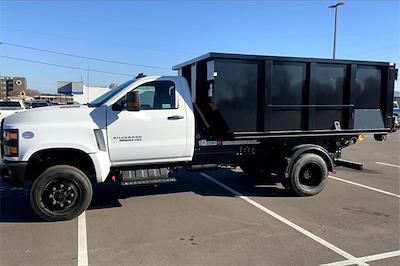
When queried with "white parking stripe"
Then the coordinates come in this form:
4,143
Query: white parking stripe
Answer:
323,242
82,241
367,258
388,164
364,186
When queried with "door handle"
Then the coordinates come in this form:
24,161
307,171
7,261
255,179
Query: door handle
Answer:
175,117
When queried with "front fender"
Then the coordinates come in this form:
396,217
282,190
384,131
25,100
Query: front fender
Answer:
58,136
45,146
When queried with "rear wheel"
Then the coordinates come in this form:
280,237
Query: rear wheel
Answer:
309,175
62,192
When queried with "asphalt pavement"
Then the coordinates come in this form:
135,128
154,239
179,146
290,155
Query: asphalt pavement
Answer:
221,218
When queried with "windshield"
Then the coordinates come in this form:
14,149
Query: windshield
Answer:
108,95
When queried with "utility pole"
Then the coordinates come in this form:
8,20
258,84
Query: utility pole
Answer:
334,30
88,84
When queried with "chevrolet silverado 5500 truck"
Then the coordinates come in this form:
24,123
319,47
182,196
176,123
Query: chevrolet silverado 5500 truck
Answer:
288,116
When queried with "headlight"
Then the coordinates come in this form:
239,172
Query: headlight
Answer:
10,150
9,145
10,135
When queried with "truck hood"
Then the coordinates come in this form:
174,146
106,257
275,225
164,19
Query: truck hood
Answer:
68,115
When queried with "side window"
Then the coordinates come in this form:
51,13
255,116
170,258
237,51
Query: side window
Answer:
147,94
155,95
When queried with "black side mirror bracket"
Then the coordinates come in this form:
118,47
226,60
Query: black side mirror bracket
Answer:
117,107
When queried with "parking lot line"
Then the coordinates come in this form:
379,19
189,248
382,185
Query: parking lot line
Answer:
82,241
388,164
369,258
314,237
364,186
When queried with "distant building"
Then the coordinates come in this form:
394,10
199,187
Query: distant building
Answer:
11,86
80,92
90,93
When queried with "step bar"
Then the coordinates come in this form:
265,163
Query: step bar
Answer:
141,177
349,164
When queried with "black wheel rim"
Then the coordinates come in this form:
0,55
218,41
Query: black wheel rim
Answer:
310,176
60,195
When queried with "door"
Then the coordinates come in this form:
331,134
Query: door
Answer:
155,133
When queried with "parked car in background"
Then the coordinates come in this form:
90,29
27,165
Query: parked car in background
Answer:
36,104
396,114
10,107
72,103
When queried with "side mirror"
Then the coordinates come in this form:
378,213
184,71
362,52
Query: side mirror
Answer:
133,101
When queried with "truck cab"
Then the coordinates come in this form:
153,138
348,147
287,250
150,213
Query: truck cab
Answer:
131,137
106,134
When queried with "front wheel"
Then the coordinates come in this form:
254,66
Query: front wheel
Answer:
61,193
309,175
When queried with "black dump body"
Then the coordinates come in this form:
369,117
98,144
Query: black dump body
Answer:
249,96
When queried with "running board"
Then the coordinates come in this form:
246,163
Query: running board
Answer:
199,167
143,177
349,164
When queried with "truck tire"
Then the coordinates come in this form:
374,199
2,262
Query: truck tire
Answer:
61,193
309,175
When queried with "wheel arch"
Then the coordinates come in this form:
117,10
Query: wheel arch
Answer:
42,159
309,148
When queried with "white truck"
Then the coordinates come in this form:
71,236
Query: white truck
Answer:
11,107
220,110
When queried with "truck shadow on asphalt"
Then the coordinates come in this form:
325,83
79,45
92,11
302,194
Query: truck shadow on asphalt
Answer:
15,206
365,170
108,196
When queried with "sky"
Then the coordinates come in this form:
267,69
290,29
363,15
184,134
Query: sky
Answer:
166,33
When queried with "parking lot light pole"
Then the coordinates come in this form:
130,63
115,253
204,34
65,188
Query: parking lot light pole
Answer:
334,31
